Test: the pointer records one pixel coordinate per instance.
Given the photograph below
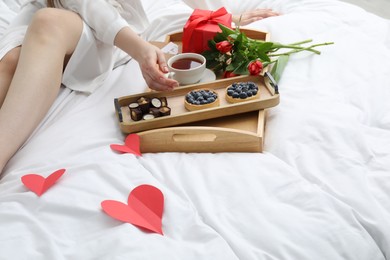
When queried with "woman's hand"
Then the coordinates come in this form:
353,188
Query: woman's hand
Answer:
150,59
253,16
153,66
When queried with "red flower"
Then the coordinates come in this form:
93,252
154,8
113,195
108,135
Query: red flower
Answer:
224,46
229,74
255,67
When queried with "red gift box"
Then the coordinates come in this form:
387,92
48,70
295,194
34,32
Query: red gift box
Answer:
202,27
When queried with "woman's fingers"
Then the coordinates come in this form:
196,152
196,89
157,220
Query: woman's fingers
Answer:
162,84
255,15
156,80
162,62
154,67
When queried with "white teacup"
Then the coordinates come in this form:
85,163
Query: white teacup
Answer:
187,68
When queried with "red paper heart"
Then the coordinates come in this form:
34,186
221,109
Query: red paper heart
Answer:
132,145
144,208
39,184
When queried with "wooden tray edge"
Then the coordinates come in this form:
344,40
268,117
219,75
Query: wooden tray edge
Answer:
199,139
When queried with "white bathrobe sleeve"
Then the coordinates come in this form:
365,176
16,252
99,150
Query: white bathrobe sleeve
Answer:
106,20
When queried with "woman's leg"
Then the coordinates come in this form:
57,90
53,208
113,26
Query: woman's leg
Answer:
51,37
7,70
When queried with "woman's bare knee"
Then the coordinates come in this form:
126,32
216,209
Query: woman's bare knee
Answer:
57,26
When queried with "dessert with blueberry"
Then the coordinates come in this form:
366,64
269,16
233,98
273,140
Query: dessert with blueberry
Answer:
200,99
242,91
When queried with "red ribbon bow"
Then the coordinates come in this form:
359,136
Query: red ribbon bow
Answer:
203,16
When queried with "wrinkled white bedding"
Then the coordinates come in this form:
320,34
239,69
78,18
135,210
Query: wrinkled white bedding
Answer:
319,191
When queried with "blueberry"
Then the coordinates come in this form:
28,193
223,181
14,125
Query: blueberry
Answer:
235,95
230,92
252,85
210,100
243,95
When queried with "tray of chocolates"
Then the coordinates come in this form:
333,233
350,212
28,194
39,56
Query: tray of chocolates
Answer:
197,102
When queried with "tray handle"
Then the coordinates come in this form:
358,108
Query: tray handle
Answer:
118,110
194,138
272,82
202,139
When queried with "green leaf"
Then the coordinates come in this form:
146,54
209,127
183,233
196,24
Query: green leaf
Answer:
264,47
244,37
230,67
238,42
212,45
208,54
263,56
219,37
225,30
241,69
279,66
233,36
238,58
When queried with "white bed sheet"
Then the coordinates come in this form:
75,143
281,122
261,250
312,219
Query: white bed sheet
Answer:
319,191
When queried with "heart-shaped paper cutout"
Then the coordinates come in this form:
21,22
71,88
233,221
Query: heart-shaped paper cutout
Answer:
144,208
132,145
39,184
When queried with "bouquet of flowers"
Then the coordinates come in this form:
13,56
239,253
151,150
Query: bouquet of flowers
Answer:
233,53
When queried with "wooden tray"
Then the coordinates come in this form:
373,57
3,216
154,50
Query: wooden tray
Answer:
179,114
243,132
237,133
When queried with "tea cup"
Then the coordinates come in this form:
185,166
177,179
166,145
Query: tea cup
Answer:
187,68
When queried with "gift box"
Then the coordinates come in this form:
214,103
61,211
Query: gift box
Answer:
201,27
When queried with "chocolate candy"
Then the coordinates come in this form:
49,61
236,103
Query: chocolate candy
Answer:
165,111
147,109
155,103
136,113
164,102
155,111
144,104
148,117
133,105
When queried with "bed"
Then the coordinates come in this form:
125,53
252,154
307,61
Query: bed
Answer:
319,190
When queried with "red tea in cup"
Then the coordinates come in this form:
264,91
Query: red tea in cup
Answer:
186,63
187,68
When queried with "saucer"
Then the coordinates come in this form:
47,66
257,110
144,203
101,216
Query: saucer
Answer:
208,76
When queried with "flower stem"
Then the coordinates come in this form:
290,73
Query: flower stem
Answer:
294,51
299,49
302,42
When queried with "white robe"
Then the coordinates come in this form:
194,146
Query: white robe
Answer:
95,55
